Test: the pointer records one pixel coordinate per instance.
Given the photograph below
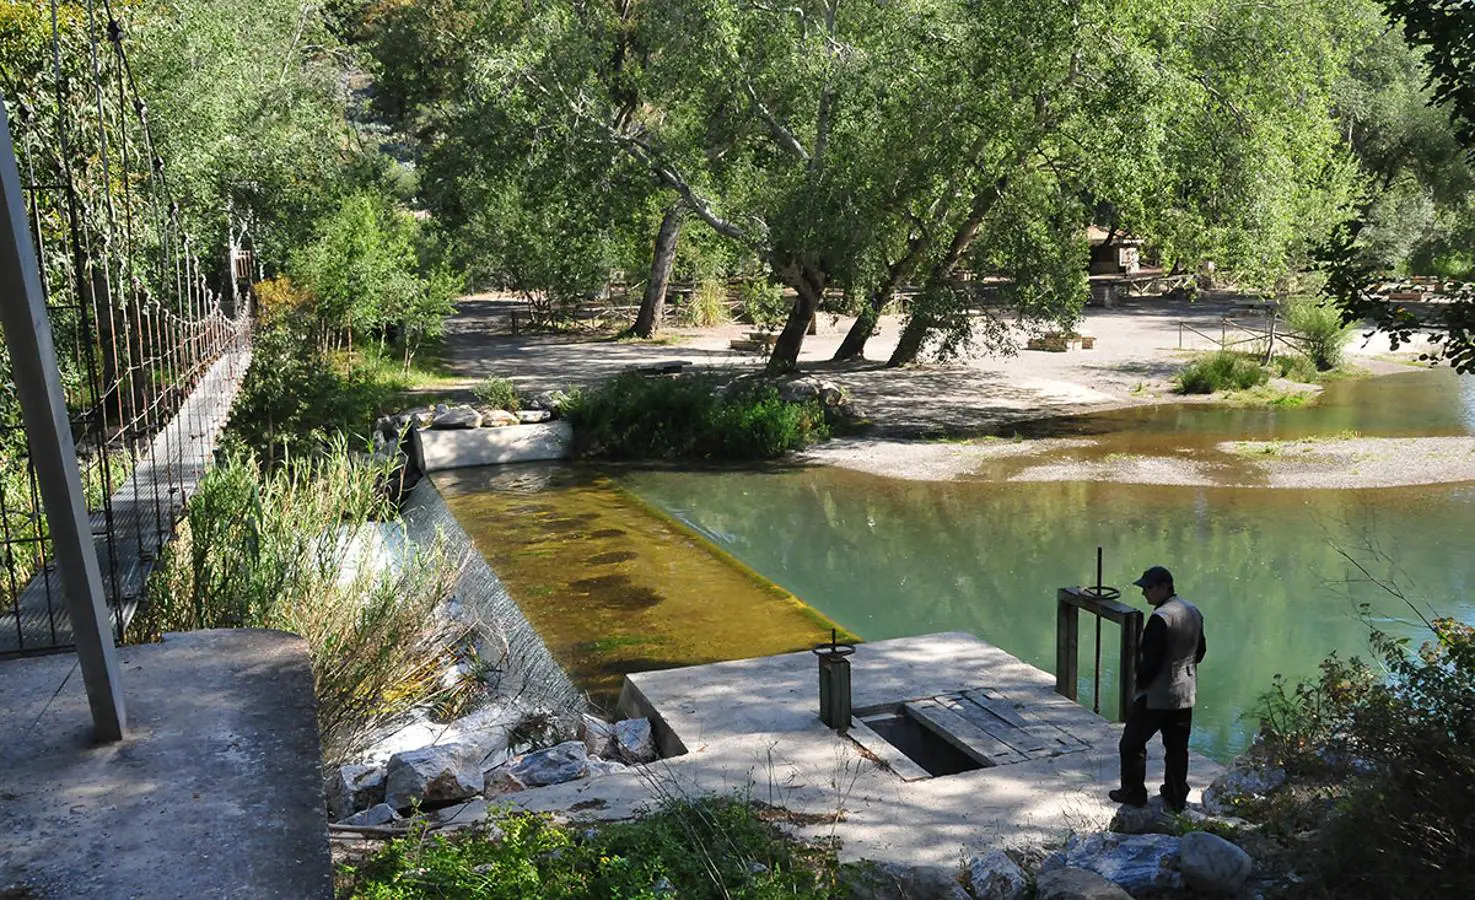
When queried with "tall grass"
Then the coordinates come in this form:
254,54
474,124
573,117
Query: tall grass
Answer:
689,417
1221,371
288,548
708,305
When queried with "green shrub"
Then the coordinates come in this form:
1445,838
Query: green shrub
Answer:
282,549
635,417
707,848
1319,330
296,399
1296,367
763,303
1401,744
1409,831
1221,371
498,393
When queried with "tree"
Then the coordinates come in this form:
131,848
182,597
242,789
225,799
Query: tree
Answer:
1444,30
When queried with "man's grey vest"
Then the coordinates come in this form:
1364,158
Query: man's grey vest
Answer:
1176,683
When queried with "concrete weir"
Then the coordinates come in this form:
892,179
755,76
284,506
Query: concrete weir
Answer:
1027,765
437,450
216,790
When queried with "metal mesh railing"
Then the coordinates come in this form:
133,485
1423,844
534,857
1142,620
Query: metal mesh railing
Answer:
150,355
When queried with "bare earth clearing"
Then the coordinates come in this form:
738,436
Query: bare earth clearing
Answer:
1140,345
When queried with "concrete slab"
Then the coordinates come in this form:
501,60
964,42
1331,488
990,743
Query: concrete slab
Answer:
436,450
752,726
217,790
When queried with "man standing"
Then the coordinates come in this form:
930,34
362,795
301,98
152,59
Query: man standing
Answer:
1167,674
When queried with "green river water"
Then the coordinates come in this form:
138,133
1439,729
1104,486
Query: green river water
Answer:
887,558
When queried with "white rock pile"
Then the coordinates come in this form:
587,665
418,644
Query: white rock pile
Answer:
426,767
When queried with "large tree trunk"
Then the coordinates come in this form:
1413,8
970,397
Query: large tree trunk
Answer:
920,325
865,324
661,263
810,284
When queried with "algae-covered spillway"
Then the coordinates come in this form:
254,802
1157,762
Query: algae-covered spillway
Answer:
614,586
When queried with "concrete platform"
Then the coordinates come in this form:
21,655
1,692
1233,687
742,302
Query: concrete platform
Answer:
216,792
752,726
436,450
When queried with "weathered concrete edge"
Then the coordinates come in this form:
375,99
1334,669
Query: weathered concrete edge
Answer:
437,450
634,705
528,668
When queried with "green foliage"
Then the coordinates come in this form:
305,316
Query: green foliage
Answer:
1224,370
1406,737
762,302
1296,367
291,548
364,271
704,848
498,393
296,399
1318,324
689,416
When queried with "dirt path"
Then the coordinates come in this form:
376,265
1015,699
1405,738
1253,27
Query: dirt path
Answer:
1140,345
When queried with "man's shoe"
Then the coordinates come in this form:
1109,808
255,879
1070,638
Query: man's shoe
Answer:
1175,805
1121,795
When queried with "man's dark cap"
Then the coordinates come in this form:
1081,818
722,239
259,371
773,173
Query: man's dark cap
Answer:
1154,576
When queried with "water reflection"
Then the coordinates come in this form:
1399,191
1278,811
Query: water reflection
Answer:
888,558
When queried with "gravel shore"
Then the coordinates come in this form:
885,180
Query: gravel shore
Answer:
1305,464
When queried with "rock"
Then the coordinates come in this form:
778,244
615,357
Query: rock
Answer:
533,416
564,762
1211,864
994,876
501,781
634,742
1154,818
399,423
598,736
382,814
549,400
1076,884
403,736
1244,781
1134,862
598,767
486,729
893,881
462,416
352,788
435,776
463,815
808,387
500,418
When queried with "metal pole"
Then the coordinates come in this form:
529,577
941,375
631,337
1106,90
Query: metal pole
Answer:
43,405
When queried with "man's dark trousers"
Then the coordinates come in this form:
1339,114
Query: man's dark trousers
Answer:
1142,724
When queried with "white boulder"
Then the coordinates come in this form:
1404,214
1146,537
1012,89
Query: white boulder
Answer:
634,742
994,876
